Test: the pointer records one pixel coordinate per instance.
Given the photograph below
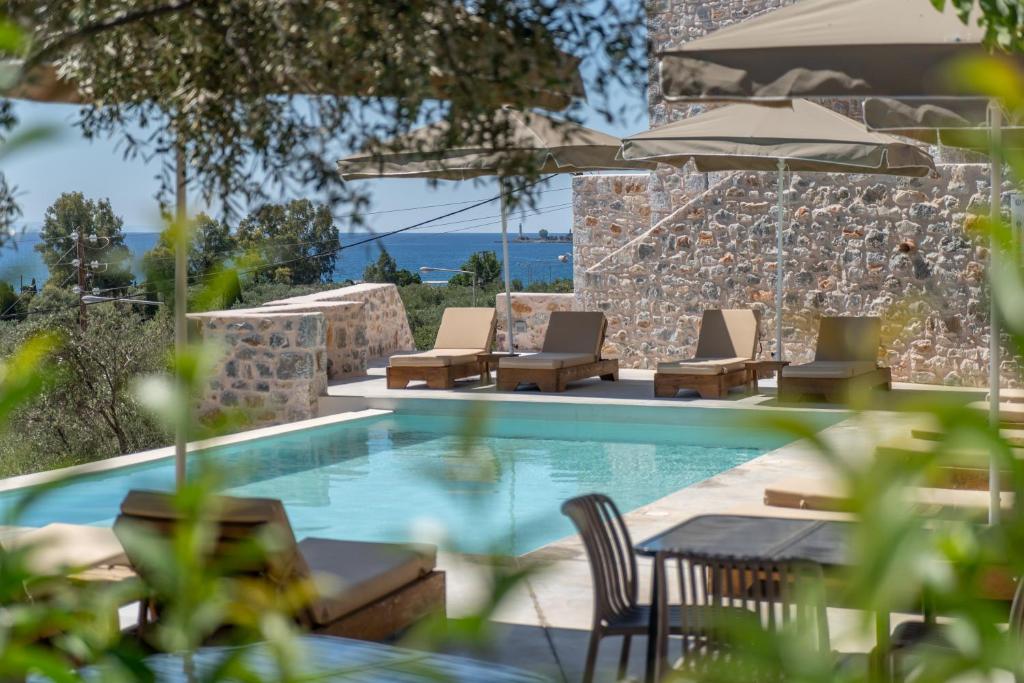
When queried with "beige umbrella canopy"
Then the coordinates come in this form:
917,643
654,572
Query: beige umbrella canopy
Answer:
801,137
806,136
898,48
543,144
540,142
951,122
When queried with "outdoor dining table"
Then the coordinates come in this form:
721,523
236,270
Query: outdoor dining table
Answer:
326,658
822,542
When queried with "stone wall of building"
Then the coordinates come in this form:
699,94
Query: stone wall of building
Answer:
854,245
386,325
272,367
530,313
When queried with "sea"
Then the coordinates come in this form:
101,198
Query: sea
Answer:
530,261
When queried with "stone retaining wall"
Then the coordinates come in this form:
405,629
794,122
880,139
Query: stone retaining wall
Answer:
386,325
347,348
530,313
272,367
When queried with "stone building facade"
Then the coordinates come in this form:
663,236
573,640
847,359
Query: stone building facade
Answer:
654,250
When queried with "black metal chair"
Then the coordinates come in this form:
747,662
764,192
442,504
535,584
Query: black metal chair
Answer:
913,635
722,597
617,611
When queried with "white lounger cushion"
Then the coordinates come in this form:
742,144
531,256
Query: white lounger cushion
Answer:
830,369
1010,395
546,361
358,573
702,366
59,546
436,358
1008,412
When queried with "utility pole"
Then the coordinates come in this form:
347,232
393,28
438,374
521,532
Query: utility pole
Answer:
80,253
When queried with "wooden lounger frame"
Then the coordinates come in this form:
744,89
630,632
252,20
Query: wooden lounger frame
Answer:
442,377
834,389
668,384
556,379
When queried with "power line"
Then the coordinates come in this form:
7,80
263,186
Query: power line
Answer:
329,252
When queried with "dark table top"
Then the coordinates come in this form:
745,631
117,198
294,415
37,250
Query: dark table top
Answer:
764,538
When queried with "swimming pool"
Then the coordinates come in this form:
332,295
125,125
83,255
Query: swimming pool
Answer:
393,476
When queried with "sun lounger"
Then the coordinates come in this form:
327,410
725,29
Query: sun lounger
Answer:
727,340
571,351
1009,396
845,361
1011,414
824,494
464,333
962,468
365,590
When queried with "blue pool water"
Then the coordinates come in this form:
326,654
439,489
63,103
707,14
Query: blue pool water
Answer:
392,477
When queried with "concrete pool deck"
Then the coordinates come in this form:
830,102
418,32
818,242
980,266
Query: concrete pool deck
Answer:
544,624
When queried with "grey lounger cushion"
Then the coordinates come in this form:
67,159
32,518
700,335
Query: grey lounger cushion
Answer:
358,573
702,366
820,369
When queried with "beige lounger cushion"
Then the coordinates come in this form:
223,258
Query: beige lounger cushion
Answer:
702,366
829,369
56,547
823,494
546,361
1008,412
354,574
465,328
436,358
574,332
728,333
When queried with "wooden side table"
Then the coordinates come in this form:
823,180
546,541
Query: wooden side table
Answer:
484,361
762,369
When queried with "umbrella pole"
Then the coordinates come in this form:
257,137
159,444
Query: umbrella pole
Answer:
180,307
996,182
778,263
505,264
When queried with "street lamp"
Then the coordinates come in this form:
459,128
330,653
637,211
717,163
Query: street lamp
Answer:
431,269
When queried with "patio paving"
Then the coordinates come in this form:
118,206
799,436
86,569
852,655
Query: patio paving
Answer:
544,624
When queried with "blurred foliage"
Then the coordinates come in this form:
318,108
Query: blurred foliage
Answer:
486,266
406,63
386,270
1003,21
72,212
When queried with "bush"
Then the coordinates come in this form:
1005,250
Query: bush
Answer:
87,411
386,270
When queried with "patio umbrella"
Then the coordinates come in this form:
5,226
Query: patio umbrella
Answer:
844,48
827,48
545,144
800,137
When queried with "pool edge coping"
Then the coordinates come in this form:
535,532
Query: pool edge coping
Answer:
22,481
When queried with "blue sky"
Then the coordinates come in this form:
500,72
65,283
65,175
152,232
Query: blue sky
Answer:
96,167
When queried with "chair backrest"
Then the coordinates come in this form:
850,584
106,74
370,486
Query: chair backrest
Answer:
734,595
609,552
729,333
575,332
849,338
254,536
466,328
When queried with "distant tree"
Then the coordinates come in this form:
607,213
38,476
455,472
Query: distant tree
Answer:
543,233
211,246
486,266
73,212
295,243
11,304
386,270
